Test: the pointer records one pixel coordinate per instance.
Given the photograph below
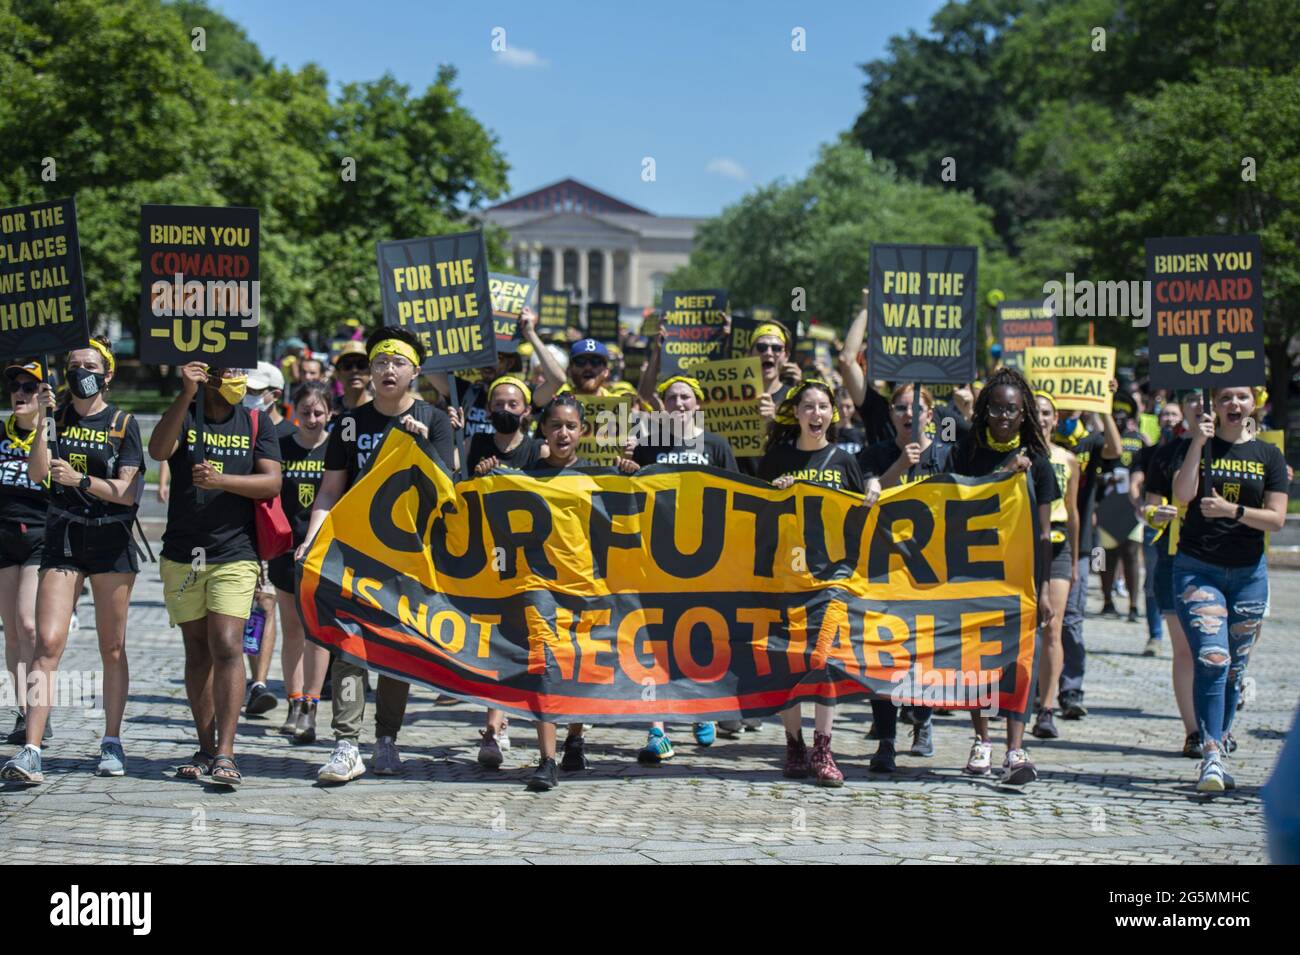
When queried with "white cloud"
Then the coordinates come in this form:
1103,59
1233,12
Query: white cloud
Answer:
520,58
723,166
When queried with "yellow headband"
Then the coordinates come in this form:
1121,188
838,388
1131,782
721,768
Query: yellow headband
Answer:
109,363
769,328
395,346
1050,399
687,380
517,382
786,413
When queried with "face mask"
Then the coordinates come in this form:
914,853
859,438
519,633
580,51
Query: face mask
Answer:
506,422
86,383
232,389
253,402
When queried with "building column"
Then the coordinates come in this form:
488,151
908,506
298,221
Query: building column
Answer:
606,275
584,275
533,261
557,268
631,296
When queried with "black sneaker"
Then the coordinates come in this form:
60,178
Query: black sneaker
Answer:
1132,616
260,700
19,735
1192,745
730,729
546,778
872,733
923,738
1071,705
574,758
1109,610
1045,726
752,725
883,761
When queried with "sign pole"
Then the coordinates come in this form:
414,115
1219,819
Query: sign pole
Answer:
916,413
460,432
52,431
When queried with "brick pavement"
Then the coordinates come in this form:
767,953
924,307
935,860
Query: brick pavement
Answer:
1111,790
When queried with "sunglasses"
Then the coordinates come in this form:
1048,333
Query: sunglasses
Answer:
26,387
764,348
353,364
907,409
586,361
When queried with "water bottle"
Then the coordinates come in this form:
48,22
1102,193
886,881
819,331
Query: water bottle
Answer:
253,631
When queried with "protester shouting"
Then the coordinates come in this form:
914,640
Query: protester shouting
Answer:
395,358
799,448
302,456
210,565
23,503
1220,573
93,494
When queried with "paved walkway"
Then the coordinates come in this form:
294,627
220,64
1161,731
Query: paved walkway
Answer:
1113,789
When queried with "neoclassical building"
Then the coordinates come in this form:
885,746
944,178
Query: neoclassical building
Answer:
570,236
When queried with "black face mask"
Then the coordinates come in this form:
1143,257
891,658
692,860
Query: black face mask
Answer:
506,422
85,383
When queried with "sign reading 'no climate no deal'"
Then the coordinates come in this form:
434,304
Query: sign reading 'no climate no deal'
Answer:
199,290
42,294
1206,312
922,313
437,289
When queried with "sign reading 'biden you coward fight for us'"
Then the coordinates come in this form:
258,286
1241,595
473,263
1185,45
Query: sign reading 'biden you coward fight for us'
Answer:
922,313
42,294
1025,324
199,292
1076,376
437,289
695,329
510,296
1206,312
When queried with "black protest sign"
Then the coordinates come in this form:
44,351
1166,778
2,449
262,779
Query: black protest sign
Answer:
742,330
510,296
1025,324
552,313
1206,311
200,297
694,324
42,293
922,324
437,289
575,316
602,322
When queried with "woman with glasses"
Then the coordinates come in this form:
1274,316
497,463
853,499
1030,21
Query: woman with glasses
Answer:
23,503
210,567
1005,436
92,470
1220,574
395,359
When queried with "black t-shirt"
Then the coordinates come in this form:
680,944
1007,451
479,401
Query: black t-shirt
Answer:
223,524
716,452
21,501
1091,466
880,457
521,458
1241,474
851,440
301,469
544,464
284,429
874,412
474,404
830,467
101,445
353,455
974,461
938,426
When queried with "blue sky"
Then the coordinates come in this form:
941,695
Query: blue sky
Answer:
711,90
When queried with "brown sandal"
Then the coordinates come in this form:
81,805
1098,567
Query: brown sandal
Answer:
224,772
200,765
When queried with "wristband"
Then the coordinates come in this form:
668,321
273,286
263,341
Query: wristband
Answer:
1241,511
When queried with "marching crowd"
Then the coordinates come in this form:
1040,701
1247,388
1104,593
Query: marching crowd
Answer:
304,432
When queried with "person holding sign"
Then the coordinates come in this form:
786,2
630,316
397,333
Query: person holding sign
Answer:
92,471
799,448
1220,573
885,464
472,414
302,456
23,504
210,566
395,359
1063,568
873,409
1005,437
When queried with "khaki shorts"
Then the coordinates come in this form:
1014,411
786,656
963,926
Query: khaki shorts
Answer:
218,588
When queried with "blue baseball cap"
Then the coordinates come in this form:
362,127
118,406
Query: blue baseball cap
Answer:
589,346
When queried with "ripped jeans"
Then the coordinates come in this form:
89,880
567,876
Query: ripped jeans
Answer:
1220,609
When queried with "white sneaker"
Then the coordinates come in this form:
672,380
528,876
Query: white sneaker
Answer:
1017,770
503,738
344,764
1213,777
980,761
386,760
